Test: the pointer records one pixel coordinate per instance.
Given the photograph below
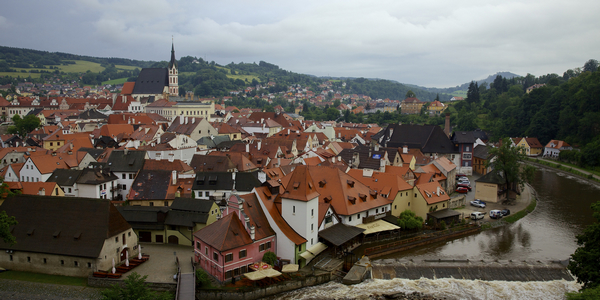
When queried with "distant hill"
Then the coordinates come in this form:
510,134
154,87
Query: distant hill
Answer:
465,86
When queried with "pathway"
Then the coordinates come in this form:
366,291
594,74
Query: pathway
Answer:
187,283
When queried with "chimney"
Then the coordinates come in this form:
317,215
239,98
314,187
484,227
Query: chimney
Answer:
288,131
355,160
193,120
382,165
252,232
42,192
438,191
247,147
376,147
181,119
447,125
259,144
405,149
186,120
125,151
279,161
262,120
123,99
174,177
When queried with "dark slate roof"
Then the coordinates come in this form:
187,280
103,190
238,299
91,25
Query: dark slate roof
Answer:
35,112
213,141
339,233
173,61
133,161
224,181
151,81
64,177
206,163
91,114
63,225
95,176
192,205
186,218
227,144
428,138
366,161
492,177
481,152
480,134
144,217
151,184
445,213
463,137
95,153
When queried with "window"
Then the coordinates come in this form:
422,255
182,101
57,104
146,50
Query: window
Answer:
28,259
236,272
228,257
395,206
76,263
89,265
357,216
312,227
261,247
151,203
10,257
383,209
408,203
349,218
228,274
198,245
45,261
123,176
166,203
243,254
116,239
124,186
312,212
268,245
294,209
206,250
69,190
215,256
377,210
62,262
129,233
311,241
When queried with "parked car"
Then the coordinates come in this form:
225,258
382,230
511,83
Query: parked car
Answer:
460,175
477,215
505,212
462,190
478,203
463,181
464,185
495,214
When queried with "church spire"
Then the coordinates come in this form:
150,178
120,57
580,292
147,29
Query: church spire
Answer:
173,62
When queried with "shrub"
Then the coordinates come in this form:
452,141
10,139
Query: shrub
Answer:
443,225
270,258
202,279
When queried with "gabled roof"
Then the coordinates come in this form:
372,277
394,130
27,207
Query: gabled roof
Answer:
225,234
34,188
151,81
224,181
175,165
205,163
481,152
257,217
427,138
463,137
126,160
339,233
48,163
429,192
63,225
127,88
301,186
65,177
268,200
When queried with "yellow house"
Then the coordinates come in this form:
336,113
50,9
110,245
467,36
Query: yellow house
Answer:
436,107
429,197
531,146
175,224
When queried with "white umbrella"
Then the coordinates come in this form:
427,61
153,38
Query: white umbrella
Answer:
127,258
113,269
140,253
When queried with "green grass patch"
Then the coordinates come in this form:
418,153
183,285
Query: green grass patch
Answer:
461,93
123,67
116,81
244,77
519,215
82,66
44,278
17,74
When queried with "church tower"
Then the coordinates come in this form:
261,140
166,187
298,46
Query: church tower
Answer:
173,77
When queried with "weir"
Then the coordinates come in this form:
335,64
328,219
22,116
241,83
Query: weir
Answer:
472,270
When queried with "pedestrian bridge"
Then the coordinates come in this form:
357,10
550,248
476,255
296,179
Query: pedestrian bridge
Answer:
488,270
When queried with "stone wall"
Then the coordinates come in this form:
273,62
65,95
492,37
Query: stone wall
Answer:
258,293
108,282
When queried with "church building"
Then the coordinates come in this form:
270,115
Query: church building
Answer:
157,83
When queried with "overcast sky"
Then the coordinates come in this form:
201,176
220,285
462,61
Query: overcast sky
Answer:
432,43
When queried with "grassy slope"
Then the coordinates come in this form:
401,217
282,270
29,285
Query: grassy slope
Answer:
80,66
44,278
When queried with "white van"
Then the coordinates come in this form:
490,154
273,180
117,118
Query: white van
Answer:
477,215
495,214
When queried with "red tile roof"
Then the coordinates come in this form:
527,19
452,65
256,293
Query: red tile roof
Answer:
225,234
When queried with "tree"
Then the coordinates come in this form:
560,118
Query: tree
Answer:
24,126
473,93
269,258
410,94
590,65
408,220
202,279
135,289
584,262
507,163
5,220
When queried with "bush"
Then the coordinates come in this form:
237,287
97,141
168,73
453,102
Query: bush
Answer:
135,289
202,279
408,220
270,258
443,225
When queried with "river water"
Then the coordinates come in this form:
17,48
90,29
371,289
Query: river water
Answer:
562,211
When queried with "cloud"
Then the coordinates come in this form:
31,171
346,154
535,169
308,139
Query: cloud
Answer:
433,43
4,22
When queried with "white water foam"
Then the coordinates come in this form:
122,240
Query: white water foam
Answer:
446,288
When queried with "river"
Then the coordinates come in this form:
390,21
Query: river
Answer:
562,211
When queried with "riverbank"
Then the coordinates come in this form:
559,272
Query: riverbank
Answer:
562,167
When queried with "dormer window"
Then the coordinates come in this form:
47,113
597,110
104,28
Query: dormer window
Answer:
352,199
322,183
350,183
296,185
363,197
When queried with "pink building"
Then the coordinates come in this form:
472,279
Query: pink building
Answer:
226,248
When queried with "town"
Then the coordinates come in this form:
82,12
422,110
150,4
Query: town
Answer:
107,172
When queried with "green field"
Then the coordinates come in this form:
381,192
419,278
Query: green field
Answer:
115,81
244,77
80,66
44,278
461,93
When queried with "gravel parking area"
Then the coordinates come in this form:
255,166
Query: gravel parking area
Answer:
25,290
